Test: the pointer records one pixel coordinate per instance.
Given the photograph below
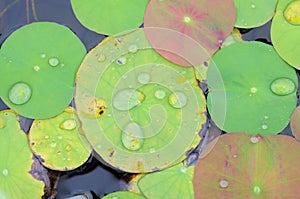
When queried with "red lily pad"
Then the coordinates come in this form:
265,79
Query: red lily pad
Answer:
188,32
295,123
246,166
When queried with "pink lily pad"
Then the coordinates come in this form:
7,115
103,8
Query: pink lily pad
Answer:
247,166
188,32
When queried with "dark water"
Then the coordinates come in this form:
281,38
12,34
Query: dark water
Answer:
92,177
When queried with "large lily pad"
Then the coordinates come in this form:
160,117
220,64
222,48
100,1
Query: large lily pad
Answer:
38,66
246,166
110,17
16,160
251,92
188,32
285,31
174,182
139,111
58,141
253,13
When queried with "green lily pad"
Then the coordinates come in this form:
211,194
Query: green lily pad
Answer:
295,123
246,166
188,32
110,17
38,66
139,111
16,160
174,182
123,194
253,13
251,92
58,141
285,31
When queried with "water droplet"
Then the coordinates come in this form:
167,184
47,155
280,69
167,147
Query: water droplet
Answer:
160,94
127,99
292,13
132,136
152,150
253,90
101,58
53,61
58,152
264,126
68,148
46,137
223,183
132,48
59,137
235,156
62,65
5,172
122,61
20,93
143,78
53,144
68,124
2,123
253,6
177,100
43,55
256,190
187,19
266,117
36,68
254,139
183,169
283,86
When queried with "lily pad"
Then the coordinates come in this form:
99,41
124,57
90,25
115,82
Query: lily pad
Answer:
246,166
58,141
174,182
110,17
139,111
16,160
123,194
295,123
253,13
251,92
285,31
38,66
188,32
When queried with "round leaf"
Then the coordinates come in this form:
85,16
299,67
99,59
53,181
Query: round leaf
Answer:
16,160
251,92
38,66
174,182
188,32
58,141
253,13
285,31
246,166
110,17
139,111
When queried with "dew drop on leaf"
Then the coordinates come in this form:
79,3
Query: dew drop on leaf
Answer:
177,100
122,61
132,48
256,190
143,78
160,94
20,93
68,124
223,183
283,86
43,55
132,136
127,99
53,61
5,172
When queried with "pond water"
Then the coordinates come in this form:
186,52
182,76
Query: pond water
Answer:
93,176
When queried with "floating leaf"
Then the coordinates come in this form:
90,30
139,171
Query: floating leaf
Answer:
123,194
174,182
38,66
246,166
253,13
188,32
153,108
295,123
253,93
16,160
285,31
110,17
58,143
